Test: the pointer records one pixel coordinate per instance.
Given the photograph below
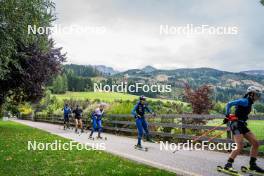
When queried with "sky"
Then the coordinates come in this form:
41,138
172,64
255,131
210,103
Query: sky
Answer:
129,34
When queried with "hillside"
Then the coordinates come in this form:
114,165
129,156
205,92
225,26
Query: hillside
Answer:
226,84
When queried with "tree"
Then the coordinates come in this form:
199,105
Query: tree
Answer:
200,99
28,61
262,2
60,84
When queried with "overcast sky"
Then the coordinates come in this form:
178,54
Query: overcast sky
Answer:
132,36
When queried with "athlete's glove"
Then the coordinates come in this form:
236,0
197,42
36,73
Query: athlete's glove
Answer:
225,121
138,116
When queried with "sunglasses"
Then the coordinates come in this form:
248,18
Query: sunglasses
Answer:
258,94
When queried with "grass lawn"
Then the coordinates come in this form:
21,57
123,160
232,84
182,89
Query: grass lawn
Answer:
103,96
15,159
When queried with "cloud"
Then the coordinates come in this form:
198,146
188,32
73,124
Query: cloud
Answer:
132,38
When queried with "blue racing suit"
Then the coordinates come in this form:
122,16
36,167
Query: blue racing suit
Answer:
97,120
243,108
66,112
139,113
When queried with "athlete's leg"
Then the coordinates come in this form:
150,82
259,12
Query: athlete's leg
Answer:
99,127
81,124
140,130
254,144
68,122
254,152
64,122
76,124
239,142
93,126
238,138
145,127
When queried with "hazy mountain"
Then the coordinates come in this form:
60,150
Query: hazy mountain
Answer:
149,69
108,71
254,72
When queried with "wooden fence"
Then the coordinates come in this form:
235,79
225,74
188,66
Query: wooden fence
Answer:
169,126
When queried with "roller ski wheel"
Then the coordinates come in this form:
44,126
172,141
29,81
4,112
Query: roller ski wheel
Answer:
228,172
141,148
247,170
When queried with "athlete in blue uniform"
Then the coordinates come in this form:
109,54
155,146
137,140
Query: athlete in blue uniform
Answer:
66,114
97,121
239,127
139,113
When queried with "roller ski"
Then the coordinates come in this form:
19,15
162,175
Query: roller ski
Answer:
228,171
252,170
79,132
139,147
101,138
65,127
91,138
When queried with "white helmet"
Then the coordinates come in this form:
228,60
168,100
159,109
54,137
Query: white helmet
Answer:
255,90
102,104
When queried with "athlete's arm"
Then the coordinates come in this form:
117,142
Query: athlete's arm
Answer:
134,112
239,102
148,109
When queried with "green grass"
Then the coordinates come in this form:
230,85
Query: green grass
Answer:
103,96
15,159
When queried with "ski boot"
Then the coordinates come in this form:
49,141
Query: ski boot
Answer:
254,169
99,137
139,147
150,140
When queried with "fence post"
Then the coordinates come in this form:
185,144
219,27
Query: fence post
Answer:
183,123
115,125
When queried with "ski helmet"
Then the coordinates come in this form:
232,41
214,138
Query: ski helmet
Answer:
142,98
254,89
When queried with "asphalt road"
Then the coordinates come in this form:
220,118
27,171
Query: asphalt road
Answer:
181,162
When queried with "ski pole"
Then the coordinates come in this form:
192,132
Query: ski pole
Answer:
206,133
217,135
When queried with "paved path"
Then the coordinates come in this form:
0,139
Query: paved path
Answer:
182,162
